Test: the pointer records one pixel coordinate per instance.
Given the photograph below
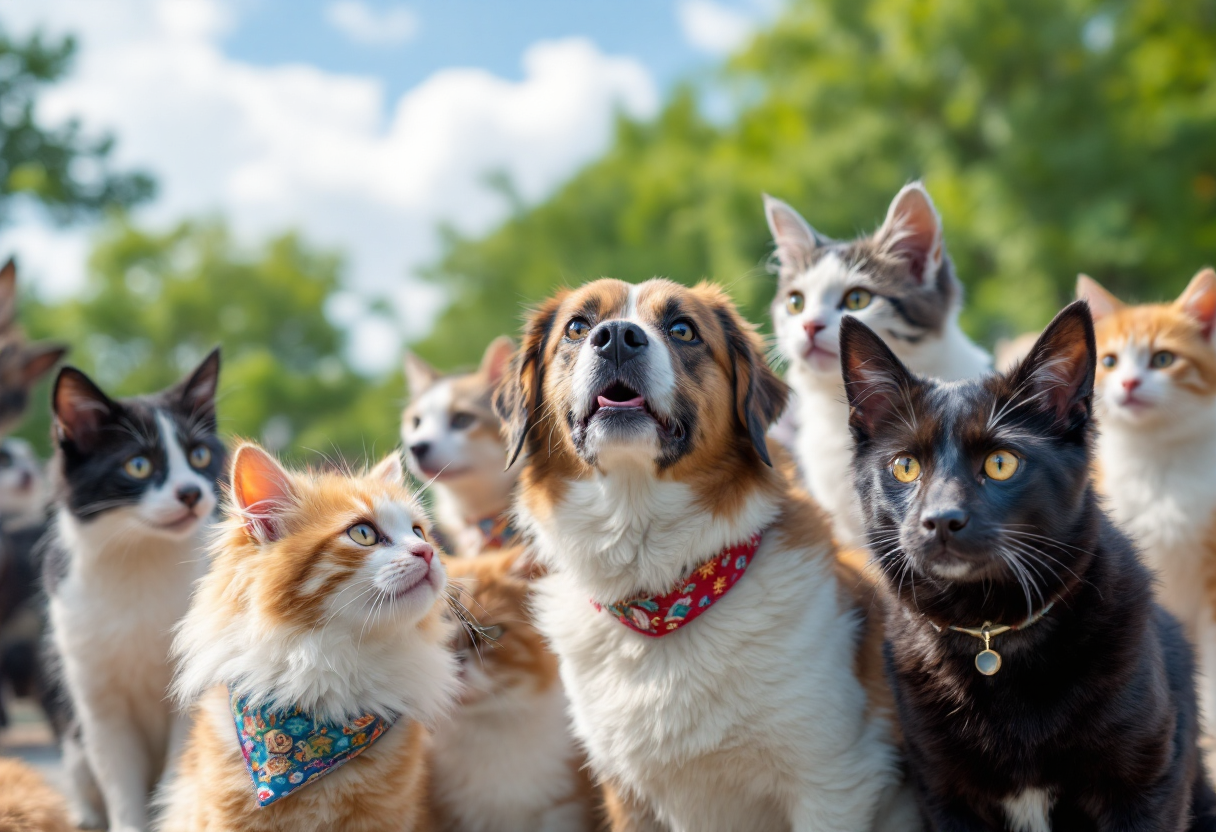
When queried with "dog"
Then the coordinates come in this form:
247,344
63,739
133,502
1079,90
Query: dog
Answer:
707,644
452,436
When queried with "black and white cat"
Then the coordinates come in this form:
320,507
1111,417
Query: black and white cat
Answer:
901,283
135,483
1038,685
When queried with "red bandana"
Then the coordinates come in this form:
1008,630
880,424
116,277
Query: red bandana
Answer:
659,615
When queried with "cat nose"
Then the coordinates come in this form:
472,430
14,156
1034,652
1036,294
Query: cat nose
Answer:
419,450
946,523
189,495
1130,384
421,549
618,341
813,328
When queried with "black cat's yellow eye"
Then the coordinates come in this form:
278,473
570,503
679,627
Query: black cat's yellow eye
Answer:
1001,465
418,530
1161,359
855,299
200,456
795,303
906,468
577,329
682,331
139,467
1109,361
462,420
363,534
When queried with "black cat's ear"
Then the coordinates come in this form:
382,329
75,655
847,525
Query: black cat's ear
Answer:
81,409
912,232
875,381
793,236
196,393
1058,373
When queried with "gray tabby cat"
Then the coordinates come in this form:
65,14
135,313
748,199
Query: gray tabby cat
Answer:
899,282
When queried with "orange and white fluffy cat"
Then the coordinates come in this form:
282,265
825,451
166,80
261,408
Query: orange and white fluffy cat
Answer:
324,594
27,803
1156,382
506,760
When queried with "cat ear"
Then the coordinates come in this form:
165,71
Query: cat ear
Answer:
389,470
8,295
1058,373
875,380
760,395
418,374
794,237
40,359
1101,302
261,492
496,358
517,398
196,392
81,409
912,232
1199,300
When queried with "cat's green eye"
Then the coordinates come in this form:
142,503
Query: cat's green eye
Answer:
139,467
200,456
856,299
906,468
682,331
795,303
577,329
1109,361
1161,360
363,534
1001,465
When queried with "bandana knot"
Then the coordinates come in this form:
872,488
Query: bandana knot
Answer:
286,749
658,615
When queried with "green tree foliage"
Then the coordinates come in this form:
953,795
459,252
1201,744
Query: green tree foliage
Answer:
156,303
60,168
1056,136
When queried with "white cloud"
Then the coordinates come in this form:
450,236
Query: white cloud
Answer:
373,27
713,27
296,146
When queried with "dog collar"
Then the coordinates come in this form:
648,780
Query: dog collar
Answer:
988,661
287,749
658,615
497,531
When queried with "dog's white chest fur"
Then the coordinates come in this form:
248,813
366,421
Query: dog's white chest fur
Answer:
1029,811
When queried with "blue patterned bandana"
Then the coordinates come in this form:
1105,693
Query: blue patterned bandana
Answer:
285,750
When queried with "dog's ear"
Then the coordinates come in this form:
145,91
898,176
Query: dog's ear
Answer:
517,398
760,395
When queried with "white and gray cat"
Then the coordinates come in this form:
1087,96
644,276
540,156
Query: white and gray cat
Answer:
899,282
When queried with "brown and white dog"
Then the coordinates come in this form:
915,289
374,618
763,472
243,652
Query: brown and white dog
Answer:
643,411
453,439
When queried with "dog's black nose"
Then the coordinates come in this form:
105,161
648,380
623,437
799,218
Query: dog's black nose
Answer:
189,495
945,523
619,341
419,450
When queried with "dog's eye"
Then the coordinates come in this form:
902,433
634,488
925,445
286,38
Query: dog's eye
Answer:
1001,465
417,421
138,467
856,299
906,468
200,456
682,331
577,329
795,303
460,421
1162,359
1109,361
363,534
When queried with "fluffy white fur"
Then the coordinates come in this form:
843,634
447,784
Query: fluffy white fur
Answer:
823,445
112,616
1029,811
493,775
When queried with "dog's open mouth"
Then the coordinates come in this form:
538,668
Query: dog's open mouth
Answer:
619,399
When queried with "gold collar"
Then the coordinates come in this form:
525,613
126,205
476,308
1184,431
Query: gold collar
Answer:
988,661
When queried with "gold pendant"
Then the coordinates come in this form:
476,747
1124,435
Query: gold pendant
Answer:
987,661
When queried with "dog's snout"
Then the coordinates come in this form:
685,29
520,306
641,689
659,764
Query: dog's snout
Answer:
945,523
419,450
619,341
189,495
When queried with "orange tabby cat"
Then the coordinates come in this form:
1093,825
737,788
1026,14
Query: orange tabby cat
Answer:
506,759
317,639
27,803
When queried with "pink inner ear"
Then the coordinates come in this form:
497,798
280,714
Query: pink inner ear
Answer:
912,232
1199,300
261,489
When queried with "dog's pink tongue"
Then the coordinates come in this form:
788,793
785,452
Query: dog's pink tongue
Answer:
636,401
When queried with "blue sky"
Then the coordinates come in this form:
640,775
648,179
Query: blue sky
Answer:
363,124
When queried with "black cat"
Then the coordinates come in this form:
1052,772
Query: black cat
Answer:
1081,713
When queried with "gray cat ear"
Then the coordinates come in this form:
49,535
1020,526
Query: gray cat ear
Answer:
912,232
795,238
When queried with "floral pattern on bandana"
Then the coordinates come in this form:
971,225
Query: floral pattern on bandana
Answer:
287,749
658,615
